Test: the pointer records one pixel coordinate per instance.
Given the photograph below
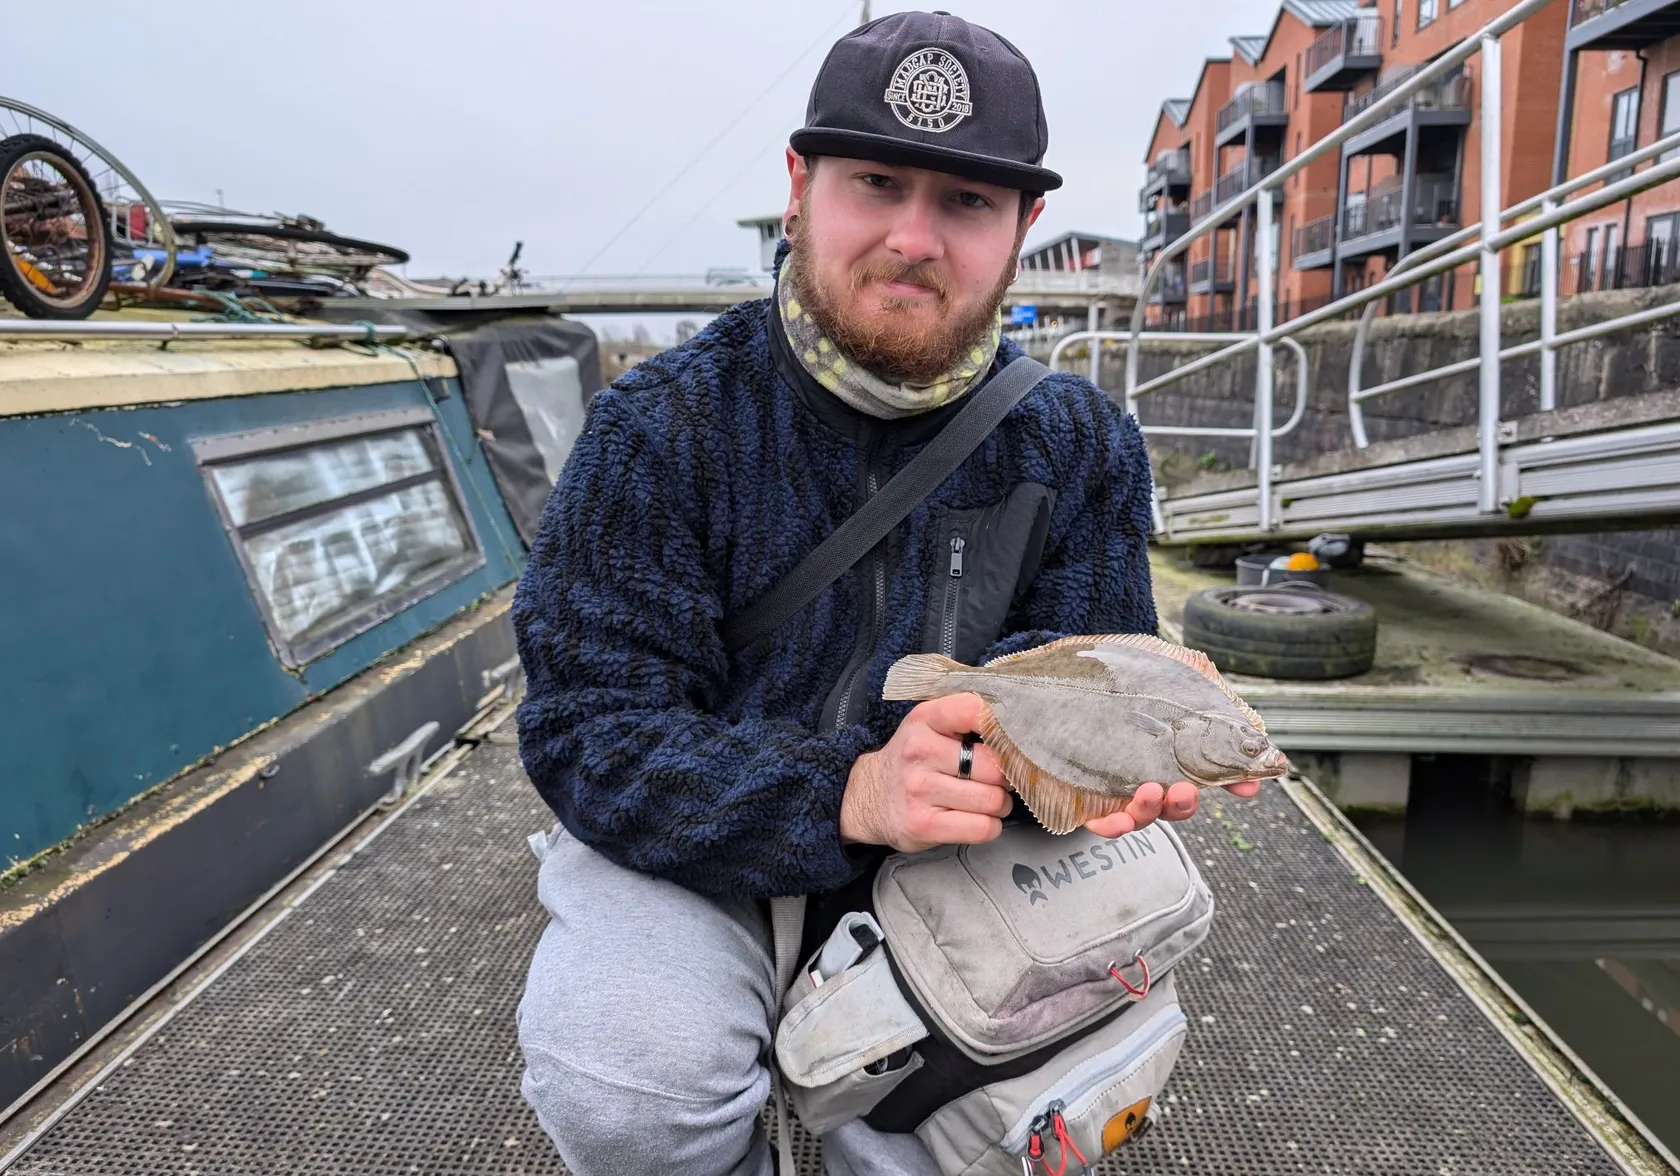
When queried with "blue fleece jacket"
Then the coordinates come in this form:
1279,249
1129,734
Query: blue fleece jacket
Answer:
701,478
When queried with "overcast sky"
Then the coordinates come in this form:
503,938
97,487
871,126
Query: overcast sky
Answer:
452,129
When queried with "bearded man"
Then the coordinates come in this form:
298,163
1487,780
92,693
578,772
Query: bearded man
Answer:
691,783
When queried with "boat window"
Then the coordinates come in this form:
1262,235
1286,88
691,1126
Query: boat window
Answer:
340,524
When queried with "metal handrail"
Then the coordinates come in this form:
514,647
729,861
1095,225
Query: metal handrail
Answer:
1486,250
1416,267
1302,384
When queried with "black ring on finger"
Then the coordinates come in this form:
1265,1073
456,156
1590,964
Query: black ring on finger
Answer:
965,757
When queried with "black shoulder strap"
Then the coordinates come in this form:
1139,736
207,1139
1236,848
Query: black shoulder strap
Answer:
854,538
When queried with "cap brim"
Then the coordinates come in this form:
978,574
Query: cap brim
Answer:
885,149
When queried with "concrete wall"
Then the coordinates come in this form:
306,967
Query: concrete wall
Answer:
1626,583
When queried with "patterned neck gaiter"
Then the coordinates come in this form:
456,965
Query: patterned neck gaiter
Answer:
864,390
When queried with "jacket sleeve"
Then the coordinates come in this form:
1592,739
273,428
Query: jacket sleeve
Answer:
1094,577
615,618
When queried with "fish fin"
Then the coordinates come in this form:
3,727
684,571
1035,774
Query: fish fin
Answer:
919,676
1195,659
1056,804
1148,724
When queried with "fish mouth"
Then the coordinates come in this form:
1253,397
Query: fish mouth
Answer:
1274,763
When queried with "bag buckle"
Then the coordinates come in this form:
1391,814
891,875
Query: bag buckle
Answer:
1132,991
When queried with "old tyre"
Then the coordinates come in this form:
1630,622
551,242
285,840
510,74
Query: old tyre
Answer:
55,241
1294,630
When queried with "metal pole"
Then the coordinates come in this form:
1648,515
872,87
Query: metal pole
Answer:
1263,360
1548,312
1488,410
1094,319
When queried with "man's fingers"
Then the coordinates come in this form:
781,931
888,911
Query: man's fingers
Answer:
954,715
1113,825
970,796
1244,788
950,827
1146,804
1180,802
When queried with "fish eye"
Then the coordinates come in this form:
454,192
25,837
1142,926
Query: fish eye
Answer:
1253,747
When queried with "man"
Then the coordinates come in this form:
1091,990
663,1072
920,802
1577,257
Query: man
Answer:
691,784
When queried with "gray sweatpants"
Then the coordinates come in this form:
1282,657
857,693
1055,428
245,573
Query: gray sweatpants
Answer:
646,1022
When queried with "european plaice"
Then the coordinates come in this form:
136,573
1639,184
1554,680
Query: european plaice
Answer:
1079,723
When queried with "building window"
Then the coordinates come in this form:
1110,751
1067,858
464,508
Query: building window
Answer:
1394,25
340,523
1426,12
1670,113
1624,123
1588,263
1451,4
1610,262
1661,235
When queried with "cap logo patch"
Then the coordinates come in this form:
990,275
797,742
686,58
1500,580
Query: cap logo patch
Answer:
929,91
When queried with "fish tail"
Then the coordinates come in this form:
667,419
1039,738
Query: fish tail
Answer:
918,677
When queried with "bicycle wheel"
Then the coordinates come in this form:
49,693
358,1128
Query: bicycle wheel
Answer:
331,248
54,238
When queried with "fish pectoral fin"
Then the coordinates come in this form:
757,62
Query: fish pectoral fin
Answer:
1056,804
1148,724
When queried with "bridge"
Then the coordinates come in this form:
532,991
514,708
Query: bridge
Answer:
1075,290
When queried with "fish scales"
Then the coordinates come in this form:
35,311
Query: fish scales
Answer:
1080,723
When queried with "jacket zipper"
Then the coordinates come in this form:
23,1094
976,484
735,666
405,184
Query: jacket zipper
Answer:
953,586
878,568
1104,1068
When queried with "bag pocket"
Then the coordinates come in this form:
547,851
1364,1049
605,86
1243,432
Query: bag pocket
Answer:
1081,1105
985,559
1015,944
845,1043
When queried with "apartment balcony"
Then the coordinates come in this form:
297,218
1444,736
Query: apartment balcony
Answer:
1210,275
1170,288
1170,172
1445,102
1311,247
1162,227
1376,222
1344,53
1260,106
1245,174
1635,267
1201,206
1621,24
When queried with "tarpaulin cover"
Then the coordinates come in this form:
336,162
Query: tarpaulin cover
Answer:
528,382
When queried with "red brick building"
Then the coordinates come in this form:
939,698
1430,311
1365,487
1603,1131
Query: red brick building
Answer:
1623,73
1408,180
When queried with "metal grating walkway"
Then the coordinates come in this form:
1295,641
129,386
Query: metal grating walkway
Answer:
372,1031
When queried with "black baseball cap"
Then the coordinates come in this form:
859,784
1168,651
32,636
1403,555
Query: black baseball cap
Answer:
928,89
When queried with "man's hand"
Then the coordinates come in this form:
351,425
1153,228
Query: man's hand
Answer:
1151,801
908,794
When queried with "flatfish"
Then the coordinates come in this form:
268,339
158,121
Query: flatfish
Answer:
1079,723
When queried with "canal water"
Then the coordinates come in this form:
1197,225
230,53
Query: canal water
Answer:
1581,917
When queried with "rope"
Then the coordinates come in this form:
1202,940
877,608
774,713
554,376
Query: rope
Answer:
235,310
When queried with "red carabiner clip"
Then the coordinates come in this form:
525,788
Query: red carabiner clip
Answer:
1133,992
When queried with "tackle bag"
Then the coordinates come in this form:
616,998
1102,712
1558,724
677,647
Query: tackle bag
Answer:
1015,998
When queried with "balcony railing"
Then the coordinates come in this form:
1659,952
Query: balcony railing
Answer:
1359,37
1655,263
1161,227
1434,202
1170,167
1240,177
1171,287
1263,98
1205,270
1200,206
1583,10
1315,236
1448,93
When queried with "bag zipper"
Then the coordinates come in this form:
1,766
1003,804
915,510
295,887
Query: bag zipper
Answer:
953,586
1105,1068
